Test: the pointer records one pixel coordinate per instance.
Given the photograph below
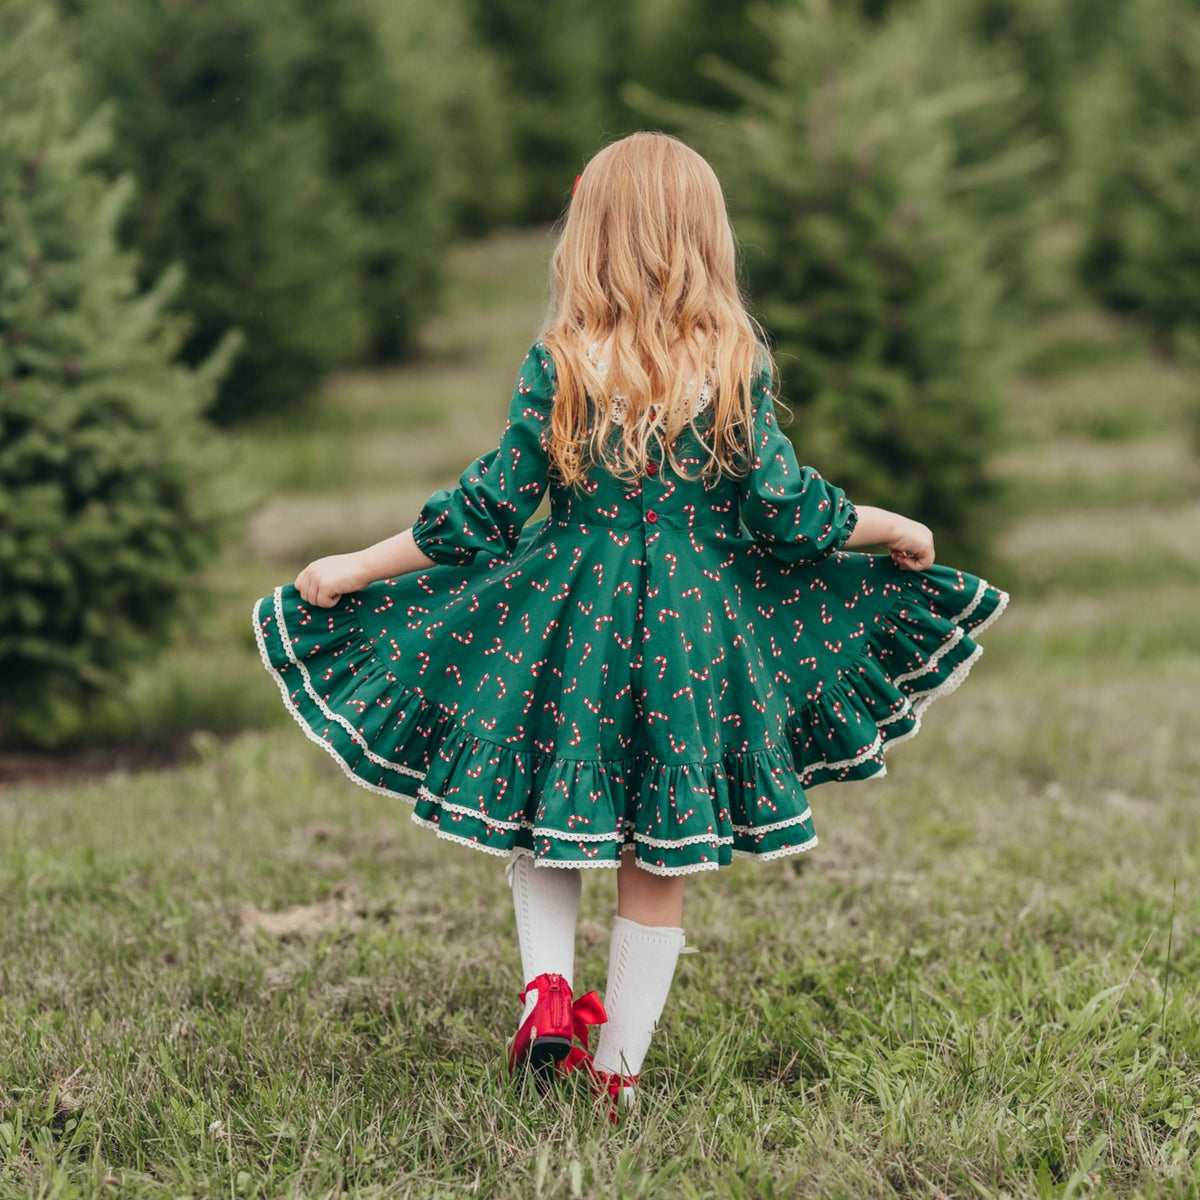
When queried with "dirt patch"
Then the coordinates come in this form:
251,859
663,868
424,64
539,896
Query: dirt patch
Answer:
55,768
343,910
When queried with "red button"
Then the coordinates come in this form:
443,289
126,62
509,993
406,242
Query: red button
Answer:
652,468
651,516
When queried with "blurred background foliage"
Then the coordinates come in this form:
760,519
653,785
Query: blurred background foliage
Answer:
209,205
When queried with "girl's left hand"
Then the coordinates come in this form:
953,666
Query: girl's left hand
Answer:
911,545
325,581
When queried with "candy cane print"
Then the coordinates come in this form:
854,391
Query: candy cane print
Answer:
503,610
798,626
716,662
671,562
817,583
495,648
576,736
826,619
397,653
621,539
677,747
834,647
684,691
701,675
465,638
535,668
708,621
501,688
591,705
624,643
508,741
587,653
759,705
664,613
767,612
424,660
388,601
692,591
528,697
715,576
653,714
660,661
514,658
600,622
551,629
562,593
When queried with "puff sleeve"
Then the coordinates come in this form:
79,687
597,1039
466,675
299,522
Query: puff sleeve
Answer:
498,492
789,509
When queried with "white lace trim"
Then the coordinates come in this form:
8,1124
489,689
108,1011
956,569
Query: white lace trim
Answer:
935,658
693,869
950,684
356,737
697,839
462,810
980,592
308,730
619,404
781,853
1001,605
499,851
751,830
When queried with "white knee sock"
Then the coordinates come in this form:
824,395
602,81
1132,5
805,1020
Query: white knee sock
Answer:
641,965
546,903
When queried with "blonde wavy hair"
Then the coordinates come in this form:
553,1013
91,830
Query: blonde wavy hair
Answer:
647,328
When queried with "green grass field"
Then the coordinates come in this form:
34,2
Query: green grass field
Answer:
983,983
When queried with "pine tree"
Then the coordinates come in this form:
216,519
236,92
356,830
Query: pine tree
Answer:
104,460
871,283
233,184
1143,240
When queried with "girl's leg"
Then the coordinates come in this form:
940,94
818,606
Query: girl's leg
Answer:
546,903
646,942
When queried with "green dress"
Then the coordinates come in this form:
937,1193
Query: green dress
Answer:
658,664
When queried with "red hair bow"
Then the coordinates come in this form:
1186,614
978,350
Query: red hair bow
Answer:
576,187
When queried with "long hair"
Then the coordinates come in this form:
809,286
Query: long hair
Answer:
647,328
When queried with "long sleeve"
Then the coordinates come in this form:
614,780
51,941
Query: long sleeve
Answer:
498,492
790,509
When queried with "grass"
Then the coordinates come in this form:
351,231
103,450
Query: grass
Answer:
242,978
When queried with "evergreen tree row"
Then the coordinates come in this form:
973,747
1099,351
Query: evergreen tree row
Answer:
107,501
307,163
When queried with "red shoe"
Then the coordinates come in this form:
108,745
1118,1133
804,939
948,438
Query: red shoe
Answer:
544,1038
611,1090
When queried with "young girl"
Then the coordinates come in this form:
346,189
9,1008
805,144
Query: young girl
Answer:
648,679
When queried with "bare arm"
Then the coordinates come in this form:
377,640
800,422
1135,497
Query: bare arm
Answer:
910,542
325,581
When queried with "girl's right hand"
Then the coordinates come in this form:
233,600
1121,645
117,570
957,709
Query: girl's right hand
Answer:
325,581
911,546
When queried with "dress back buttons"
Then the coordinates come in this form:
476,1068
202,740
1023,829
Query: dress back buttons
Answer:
652,468
651,516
